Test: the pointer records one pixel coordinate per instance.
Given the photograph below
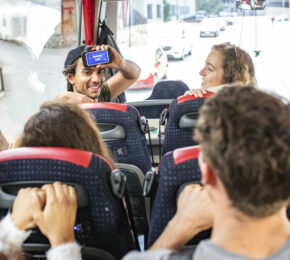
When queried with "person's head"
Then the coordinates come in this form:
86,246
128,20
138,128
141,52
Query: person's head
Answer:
245,142
12,254
85,80
227,64
63,124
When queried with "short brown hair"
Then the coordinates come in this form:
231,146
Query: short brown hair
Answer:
71,62
63,124
245,137
70,69
237,64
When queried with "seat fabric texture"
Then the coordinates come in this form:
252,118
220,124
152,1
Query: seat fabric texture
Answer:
167,89
133,148
176,168
174,136
103,224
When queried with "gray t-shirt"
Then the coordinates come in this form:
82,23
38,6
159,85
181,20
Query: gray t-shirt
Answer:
206,250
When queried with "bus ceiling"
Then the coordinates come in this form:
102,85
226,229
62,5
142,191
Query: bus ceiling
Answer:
92,11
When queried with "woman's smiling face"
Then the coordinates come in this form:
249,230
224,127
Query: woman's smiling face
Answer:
212,73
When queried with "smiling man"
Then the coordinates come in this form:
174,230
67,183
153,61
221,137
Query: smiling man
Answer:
87,84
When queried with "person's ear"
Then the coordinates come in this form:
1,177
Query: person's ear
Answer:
70,78
208,176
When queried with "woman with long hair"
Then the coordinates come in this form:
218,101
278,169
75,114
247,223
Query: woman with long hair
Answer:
63,124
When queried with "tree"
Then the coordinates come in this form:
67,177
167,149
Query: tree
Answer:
211,6
166,11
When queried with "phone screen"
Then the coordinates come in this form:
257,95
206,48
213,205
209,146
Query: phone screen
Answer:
97,57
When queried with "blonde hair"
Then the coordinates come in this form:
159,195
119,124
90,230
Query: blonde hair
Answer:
238,66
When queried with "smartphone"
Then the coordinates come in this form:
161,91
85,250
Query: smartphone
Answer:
93,58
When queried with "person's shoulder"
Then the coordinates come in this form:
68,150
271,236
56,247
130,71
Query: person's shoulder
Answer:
208,250
283,253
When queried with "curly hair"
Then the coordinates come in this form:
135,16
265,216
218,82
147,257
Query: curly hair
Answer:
70,69
63,124
237,64
245,138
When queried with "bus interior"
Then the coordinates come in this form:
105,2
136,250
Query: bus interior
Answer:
169,40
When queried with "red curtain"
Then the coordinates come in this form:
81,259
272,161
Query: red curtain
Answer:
89,7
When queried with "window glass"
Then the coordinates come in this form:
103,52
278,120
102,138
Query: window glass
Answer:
187,30
149,11
159,11
158,54
35,37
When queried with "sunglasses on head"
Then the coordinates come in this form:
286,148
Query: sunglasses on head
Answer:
228,45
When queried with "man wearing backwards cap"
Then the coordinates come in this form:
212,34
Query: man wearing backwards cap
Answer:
86,84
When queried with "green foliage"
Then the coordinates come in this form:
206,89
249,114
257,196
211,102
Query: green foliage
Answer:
166,11
211,6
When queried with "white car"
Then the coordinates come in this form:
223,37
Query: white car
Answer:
209,29
180,45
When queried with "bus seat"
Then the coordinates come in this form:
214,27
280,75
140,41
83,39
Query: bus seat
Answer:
130,147
151,109
176,168
103,223
167,89
135,182
183,115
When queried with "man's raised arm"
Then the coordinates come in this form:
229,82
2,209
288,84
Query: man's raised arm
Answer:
128,73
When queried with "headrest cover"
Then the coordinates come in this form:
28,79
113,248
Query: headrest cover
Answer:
185,98
104,105
184,154
71,155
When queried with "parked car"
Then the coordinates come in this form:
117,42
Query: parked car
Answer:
193,19
153,69
209,29
177,40
222,25
202,12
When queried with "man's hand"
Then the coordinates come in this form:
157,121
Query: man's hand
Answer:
117,60
128,73
75,97
195,209
128,69
56,221
196,92
194,214
24,205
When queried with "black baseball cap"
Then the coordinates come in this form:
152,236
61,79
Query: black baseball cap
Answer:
74,54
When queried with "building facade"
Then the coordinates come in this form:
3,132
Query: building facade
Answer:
153,10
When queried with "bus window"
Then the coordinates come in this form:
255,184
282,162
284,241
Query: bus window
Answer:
36,35
256,31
